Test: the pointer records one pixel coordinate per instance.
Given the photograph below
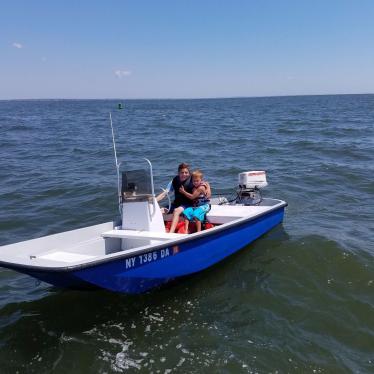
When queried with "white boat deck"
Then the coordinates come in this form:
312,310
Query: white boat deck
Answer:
220,214
66,257
141,234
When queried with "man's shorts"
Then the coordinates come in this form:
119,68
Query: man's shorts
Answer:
198,212
172,207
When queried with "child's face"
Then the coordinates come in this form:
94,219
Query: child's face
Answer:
196,181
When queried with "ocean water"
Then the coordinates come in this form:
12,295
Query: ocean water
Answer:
299,299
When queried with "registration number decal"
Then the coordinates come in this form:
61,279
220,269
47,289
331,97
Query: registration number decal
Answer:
146,258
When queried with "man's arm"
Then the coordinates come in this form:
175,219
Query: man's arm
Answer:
163,194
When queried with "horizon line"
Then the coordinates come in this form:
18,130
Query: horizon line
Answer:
186,98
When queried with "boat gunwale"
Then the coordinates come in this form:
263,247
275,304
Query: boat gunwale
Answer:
141,250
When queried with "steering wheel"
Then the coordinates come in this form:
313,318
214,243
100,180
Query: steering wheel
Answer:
169,201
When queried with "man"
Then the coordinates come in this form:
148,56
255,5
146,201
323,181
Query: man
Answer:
180,201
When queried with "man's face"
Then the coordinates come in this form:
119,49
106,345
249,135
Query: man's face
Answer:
184,174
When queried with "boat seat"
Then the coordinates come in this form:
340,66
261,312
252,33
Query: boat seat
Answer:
139,234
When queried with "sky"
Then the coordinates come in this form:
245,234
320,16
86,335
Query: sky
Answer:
185,48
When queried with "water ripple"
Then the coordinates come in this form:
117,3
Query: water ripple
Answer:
301,295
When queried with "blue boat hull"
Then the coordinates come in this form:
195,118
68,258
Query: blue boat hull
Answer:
142,272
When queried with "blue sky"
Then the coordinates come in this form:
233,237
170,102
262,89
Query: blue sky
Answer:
185,49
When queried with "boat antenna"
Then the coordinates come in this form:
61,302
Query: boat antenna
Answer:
116,159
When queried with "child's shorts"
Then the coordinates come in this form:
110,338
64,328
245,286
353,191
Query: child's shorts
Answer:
198,213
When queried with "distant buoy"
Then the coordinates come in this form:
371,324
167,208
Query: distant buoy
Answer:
120,106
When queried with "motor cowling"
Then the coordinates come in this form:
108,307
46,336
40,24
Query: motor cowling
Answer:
252,179
250,183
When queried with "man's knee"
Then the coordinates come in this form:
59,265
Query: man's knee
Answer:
178,211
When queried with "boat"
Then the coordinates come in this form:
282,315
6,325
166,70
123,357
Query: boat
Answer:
137,253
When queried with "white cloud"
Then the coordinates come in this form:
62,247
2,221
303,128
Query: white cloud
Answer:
17,45
122,73
44,59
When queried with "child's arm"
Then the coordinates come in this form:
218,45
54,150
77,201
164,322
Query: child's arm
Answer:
208,190
192,195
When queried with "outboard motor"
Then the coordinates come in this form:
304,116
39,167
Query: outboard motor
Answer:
250,184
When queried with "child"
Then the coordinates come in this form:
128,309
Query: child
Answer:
200,196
